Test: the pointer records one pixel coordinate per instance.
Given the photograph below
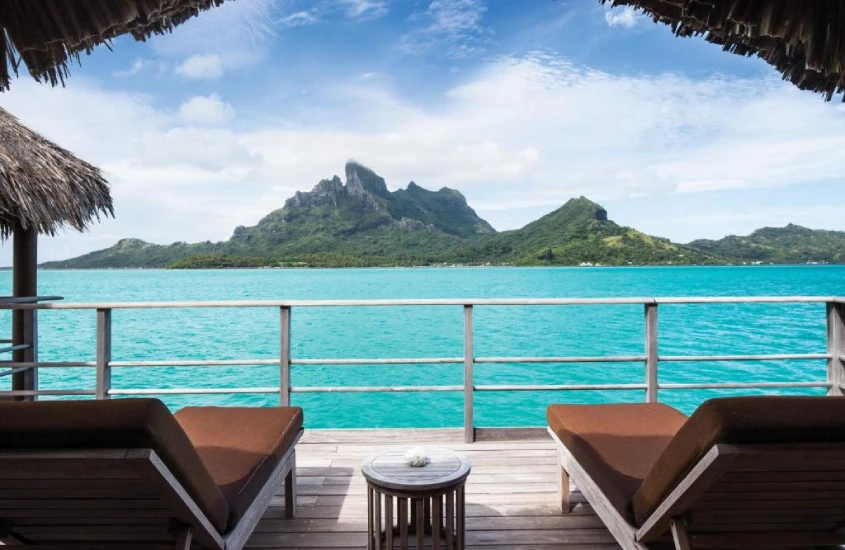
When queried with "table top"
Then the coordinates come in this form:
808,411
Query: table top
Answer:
443,469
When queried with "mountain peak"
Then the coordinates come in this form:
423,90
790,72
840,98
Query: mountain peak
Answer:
779,232
359,178
584,208
130,242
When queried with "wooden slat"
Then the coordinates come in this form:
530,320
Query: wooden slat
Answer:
777,486
820,504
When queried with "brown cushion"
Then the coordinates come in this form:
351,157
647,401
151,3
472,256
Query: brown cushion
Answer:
759,419
616,444
241,446
114,423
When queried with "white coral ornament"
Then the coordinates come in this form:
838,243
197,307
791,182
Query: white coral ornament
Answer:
415,457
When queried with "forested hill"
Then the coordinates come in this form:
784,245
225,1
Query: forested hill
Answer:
792,244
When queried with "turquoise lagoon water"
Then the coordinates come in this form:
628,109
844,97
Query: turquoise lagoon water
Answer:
435,332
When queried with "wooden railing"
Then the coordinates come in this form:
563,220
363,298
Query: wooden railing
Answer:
834,383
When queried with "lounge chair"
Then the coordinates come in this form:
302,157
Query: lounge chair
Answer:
127,473
740,472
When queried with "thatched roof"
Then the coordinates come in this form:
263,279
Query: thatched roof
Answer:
803,39
44,186
46,34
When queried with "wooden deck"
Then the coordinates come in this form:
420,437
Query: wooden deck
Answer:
511,495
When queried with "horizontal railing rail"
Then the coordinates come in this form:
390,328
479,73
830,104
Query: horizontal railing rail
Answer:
834,355
431,302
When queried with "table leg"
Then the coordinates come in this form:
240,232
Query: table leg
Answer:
461,522
388,521
403,523
377,513
436,520
413,515
450,520
370,519
420,523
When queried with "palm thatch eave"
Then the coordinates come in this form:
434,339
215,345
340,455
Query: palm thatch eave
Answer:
803,39
45,35
45,187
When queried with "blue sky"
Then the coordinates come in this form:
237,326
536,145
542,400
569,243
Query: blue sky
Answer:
519,105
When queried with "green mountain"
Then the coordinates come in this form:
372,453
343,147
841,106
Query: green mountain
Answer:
132,253
360,222
580,232
361,218
792,244
357,223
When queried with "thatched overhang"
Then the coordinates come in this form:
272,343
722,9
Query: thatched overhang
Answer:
45,35
44,187
803,39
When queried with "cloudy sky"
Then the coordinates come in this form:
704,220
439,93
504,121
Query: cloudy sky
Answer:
519,105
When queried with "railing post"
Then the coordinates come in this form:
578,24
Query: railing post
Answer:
835,347
651,357
284,362
103,353
469,362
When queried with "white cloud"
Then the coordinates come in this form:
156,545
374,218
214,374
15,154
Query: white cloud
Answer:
452,27
137,67
519,134
705,185
365,9
159,67
201,67
179,151
359,10
300,18
625,17
206,111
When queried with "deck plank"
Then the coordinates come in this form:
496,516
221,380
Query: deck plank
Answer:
511,496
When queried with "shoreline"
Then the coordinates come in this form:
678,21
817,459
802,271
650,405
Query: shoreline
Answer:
454,266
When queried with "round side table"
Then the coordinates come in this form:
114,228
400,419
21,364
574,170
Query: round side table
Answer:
425,503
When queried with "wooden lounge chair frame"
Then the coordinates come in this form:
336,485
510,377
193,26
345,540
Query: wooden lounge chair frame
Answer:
735,495
108,490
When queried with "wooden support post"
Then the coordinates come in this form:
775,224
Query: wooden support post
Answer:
679,535
563,491
103,353
284,363
835,347
25,322
651,357
290,489
469,362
